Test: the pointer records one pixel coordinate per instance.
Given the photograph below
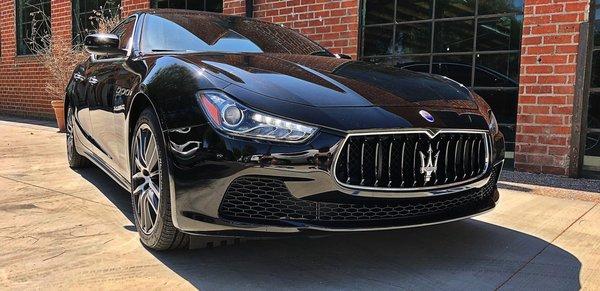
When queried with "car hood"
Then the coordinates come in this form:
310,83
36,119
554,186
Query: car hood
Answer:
330,82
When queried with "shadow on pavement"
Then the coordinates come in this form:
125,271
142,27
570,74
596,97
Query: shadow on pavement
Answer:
31,121
463,255
117,195
513,187
547,180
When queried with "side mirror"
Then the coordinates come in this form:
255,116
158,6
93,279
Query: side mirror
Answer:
103,44
343,56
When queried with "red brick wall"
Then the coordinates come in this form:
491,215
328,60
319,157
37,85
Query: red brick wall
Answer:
130,6
332,23
548,71
22,79
234,7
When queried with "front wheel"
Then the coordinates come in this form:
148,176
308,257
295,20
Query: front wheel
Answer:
150,187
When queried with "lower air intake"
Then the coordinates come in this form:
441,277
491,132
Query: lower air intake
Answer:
267,201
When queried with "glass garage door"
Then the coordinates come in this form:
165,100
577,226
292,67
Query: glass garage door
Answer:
591,160
475,42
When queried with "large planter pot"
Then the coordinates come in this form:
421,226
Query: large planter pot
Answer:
59,112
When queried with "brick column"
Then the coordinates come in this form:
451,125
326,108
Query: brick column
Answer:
546,92
61,19
7,30
234,7
130,6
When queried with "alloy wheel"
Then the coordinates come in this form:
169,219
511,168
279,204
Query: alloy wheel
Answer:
146,179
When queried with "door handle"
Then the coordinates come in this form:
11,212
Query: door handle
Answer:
92,80
78,77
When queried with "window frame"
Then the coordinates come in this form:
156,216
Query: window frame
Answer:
76,33
587,165
21,48
431,55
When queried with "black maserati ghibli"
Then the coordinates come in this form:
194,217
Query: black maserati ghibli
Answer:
225,126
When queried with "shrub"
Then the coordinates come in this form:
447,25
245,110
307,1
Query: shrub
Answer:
57,53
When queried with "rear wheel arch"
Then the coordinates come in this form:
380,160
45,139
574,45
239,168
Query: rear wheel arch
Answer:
67,103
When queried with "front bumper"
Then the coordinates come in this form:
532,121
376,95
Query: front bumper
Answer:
223,186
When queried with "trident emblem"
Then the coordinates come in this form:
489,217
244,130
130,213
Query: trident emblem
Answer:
431,166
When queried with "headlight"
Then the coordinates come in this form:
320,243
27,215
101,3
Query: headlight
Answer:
493,123
231,117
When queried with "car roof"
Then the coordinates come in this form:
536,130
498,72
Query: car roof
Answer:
170,11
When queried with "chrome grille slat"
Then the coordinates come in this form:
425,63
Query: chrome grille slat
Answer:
348,164
457,158
402,157
414,160
465,161
392,161
474,157
479,165
362,163
446,161
390,167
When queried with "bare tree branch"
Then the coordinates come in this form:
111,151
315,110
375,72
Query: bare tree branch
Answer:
56,52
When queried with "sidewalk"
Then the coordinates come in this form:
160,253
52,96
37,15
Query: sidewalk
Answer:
66,229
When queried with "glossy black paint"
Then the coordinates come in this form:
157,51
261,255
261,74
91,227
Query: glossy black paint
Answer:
336,95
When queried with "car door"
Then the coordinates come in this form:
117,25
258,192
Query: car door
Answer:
100,91
126,80
79,88
104,100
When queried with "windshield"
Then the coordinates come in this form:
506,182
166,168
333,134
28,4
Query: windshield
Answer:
206,32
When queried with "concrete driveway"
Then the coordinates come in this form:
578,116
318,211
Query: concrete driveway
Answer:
73,229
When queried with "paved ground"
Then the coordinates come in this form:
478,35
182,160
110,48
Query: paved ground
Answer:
65,229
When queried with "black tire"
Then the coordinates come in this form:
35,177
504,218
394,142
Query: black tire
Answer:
162,235
76,160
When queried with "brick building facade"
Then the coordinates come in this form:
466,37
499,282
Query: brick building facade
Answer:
552,81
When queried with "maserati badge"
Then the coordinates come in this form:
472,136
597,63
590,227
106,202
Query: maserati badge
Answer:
427,115
430,166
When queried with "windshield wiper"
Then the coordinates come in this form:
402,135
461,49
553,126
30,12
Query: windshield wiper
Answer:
322,53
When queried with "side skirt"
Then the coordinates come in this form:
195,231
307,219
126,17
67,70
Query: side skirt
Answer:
83,150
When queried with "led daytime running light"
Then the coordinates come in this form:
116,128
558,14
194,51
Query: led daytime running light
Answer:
251,124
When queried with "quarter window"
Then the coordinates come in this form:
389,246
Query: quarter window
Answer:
125,32
33,25
86,14
475,42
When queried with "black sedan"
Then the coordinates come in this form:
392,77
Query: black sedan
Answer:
226,126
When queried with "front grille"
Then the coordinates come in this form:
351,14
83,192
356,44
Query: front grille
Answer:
394,161
268,201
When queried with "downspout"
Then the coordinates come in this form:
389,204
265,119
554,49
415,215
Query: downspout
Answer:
249,8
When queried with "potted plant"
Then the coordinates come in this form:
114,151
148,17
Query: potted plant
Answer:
59,56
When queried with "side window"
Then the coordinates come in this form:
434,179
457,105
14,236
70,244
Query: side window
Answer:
125,32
